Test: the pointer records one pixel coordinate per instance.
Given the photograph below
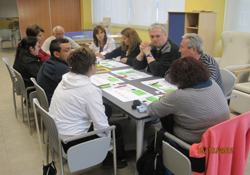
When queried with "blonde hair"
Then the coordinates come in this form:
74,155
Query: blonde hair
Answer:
134,39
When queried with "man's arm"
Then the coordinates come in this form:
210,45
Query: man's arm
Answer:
74,45
46,44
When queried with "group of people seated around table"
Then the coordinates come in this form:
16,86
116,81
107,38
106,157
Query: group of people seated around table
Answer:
76,104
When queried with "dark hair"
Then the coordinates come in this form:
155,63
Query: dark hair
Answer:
95,32
55,45
24,46
134,39
187,72
34,30
80,60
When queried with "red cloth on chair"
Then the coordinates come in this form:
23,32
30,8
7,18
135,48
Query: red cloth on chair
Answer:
231,137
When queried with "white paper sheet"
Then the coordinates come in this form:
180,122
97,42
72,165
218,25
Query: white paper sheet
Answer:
160,84
127,92
104,79
112,64
131,74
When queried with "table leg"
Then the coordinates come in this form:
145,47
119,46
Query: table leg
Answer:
139,138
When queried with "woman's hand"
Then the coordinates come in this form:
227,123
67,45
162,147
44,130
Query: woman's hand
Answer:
124,60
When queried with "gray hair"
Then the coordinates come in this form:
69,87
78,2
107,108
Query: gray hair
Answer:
57,27
157,25
194,41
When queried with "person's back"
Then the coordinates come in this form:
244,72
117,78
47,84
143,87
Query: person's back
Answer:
198,109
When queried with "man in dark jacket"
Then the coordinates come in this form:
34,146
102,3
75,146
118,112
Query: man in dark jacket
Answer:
51,72
157,56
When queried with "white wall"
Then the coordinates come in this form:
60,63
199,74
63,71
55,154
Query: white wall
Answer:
8,9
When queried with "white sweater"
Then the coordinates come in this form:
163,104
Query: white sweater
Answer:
76,103
108,47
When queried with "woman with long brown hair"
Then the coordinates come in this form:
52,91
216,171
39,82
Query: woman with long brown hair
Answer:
129,48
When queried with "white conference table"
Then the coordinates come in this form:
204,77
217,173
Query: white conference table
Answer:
125,107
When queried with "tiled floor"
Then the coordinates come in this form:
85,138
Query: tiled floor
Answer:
19,151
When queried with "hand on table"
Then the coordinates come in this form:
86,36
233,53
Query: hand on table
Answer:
124,60
164,95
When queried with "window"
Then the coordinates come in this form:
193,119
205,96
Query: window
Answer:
135,12
237,16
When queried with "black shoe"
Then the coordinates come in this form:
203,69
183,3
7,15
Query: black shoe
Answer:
108,162
128,155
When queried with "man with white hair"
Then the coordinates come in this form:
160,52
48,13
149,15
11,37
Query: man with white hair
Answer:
58,32
192,46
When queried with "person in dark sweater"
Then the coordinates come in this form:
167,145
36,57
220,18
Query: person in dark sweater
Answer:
158,55
53,69
26,62
129,48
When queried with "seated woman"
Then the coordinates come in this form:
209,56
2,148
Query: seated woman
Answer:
37,31
102,43
26,62
129,48
76,103
197,105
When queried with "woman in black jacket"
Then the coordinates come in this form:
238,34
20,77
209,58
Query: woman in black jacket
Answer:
129,48
26,61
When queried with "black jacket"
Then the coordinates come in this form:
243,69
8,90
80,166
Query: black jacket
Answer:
118,52
28,66
163,59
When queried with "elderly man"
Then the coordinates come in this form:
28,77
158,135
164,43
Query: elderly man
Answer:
58,32
51,72
157,56
192,46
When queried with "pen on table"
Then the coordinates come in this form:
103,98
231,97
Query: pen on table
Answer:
154,83
104,84
121,86
122,76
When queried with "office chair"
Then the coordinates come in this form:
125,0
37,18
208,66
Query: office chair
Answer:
6,35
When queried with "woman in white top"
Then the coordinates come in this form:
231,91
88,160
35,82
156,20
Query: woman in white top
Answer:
102,43
77,105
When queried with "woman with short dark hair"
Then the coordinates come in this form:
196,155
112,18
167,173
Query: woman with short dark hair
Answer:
37,31
101,44
77,105
197,105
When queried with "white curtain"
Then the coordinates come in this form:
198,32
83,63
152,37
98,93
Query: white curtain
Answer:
164,6
99,10
237,15
143,12
119,11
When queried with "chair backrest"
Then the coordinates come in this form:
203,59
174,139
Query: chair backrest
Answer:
236,46
9,67
5,34
50,126
175,161
228,81
20,82
41,95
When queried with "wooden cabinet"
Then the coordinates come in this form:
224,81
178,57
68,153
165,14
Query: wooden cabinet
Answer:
201,23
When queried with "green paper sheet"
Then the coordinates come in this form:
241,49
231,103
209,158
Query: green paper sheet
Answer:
113,79
106,86
152,99
121,73
130,71
169,90
139,92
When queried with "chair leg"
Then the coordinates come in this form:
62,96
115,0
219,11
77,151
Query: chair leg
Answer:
61,157
47,149
28,113
14,101
22,106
